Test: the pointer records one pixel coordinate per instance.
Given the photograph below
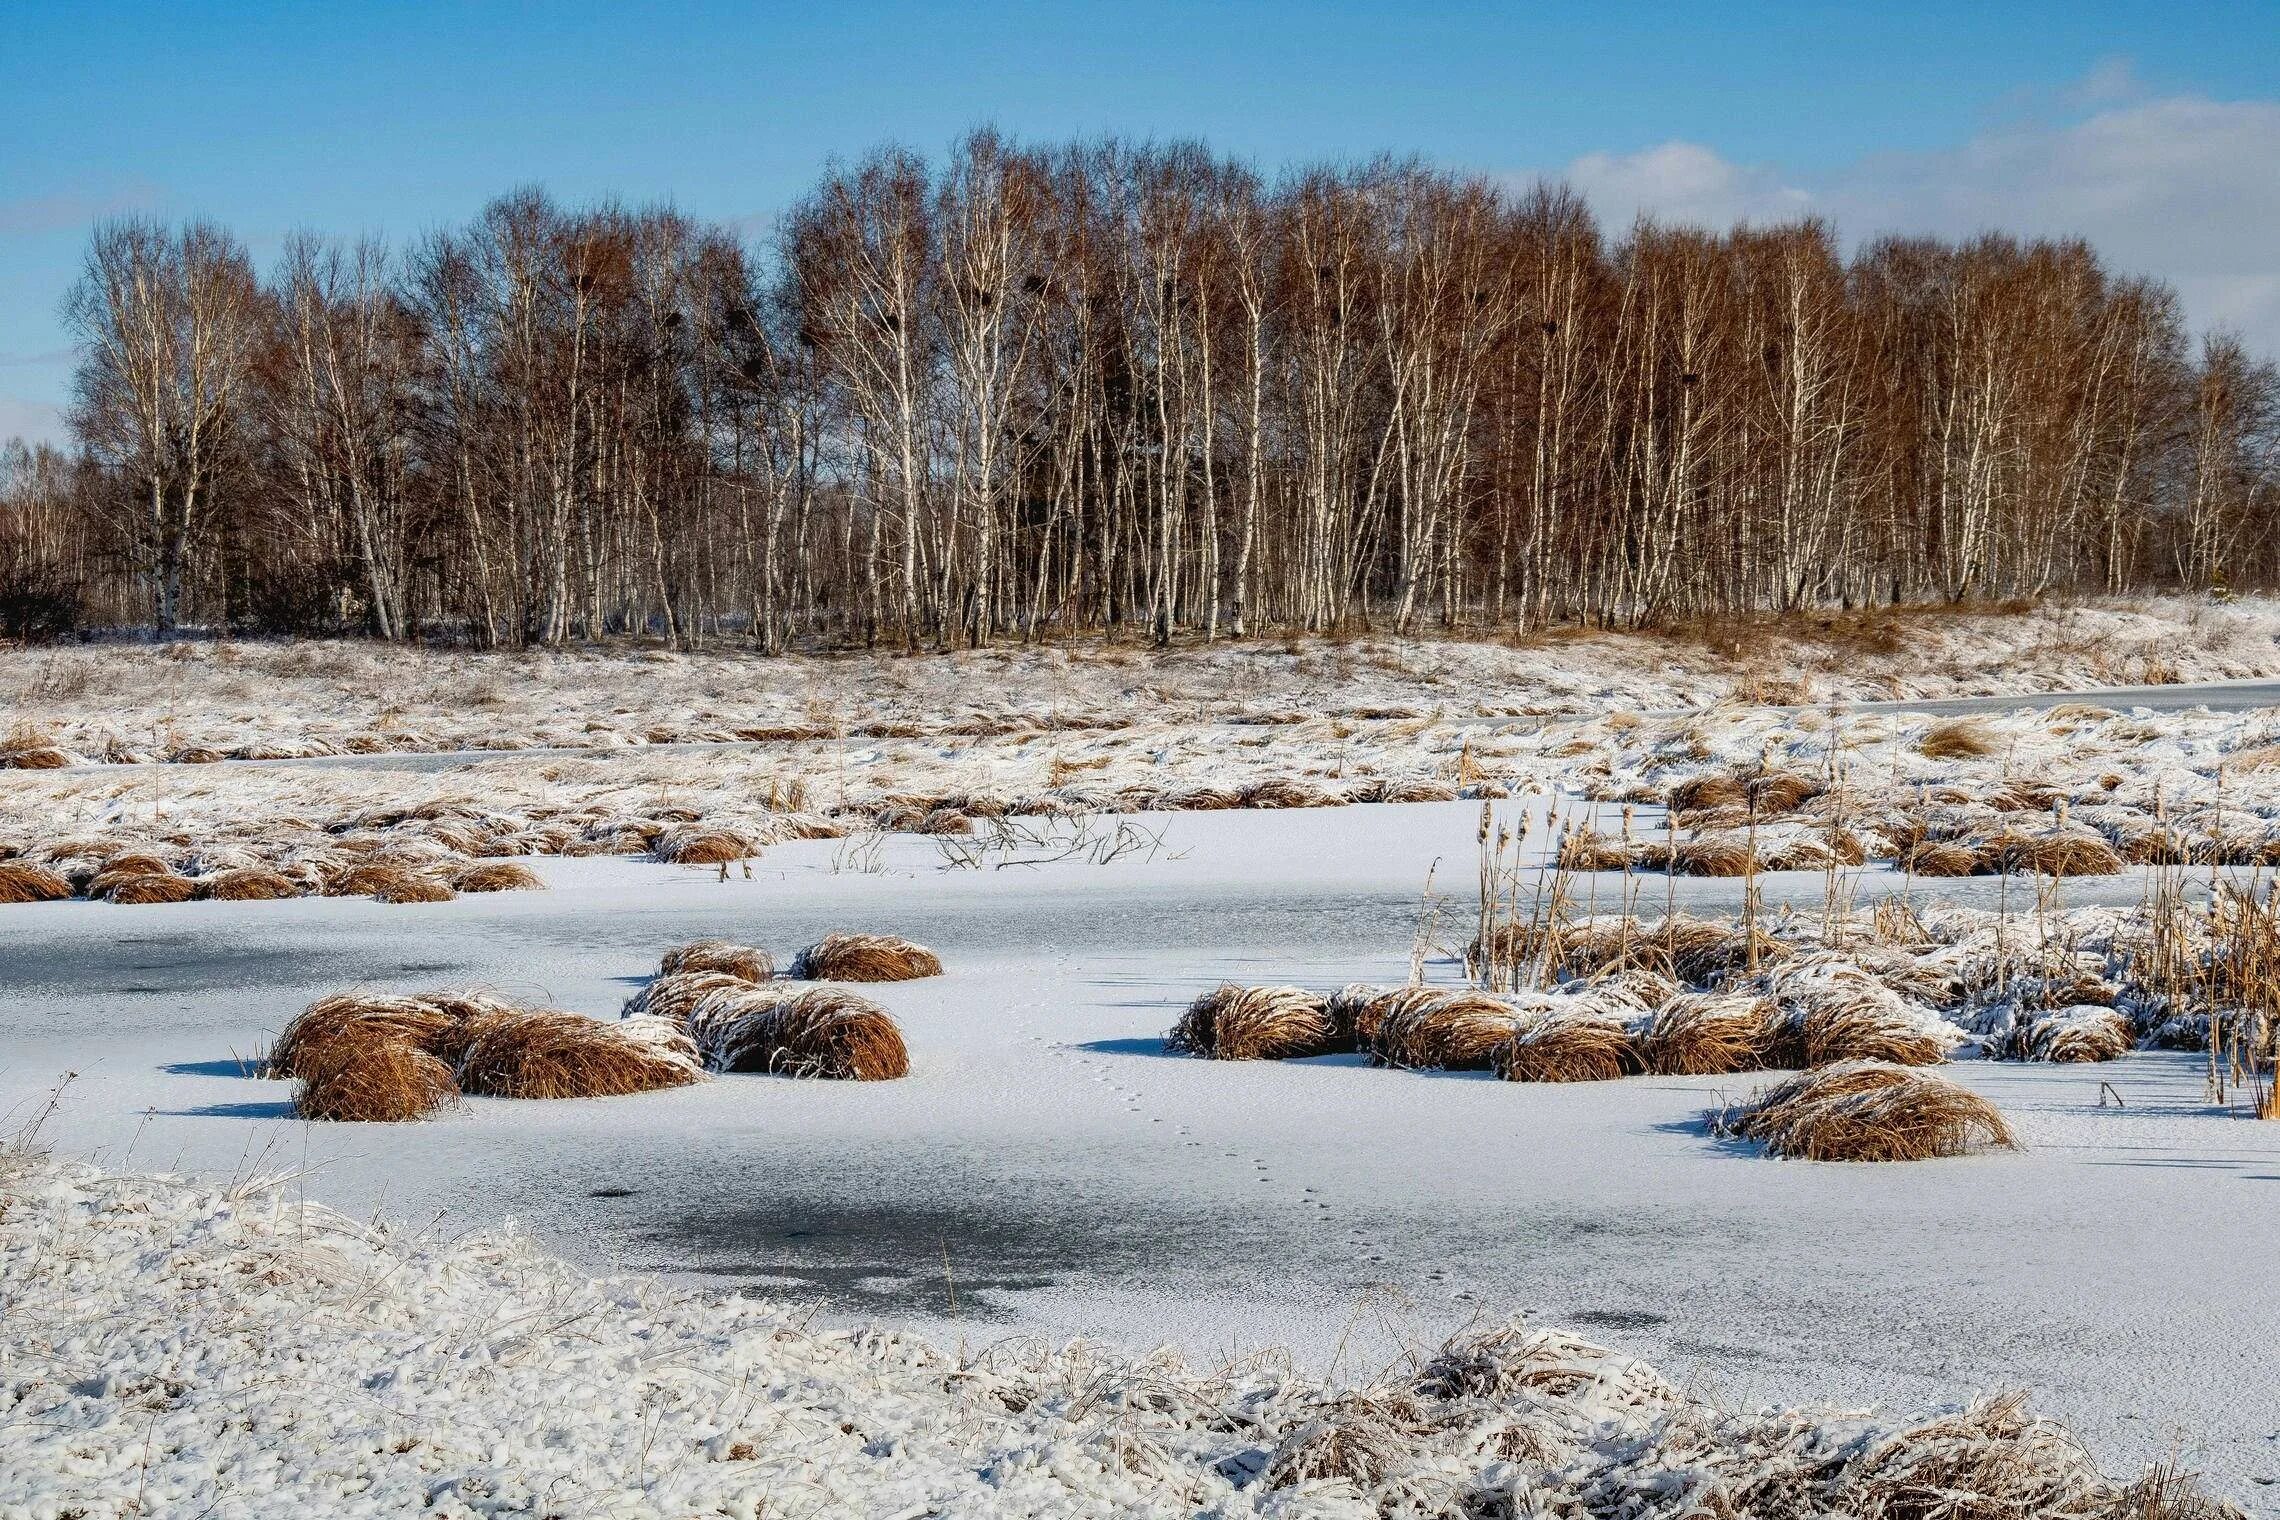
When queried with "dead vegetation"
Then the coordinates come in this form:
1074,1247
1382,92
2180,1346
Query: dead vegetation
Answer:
865,958
545,1053
378,1081
24,881
496,876
1232,1023
1707,1034
819,1032
719,955
1459,1030
1562,1045
1867,1111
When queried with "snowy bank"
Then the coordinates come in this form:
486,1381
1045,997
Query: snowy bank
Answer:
177,1349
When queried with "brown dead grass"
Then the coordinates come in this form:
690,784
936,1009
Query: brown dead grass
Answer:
2072,1035
37,757
694,846
676,995
1868,1111
22,881
496,876
1707,1034
1856,1023
134,888
721,955
249,884
1956,739
822,1032
374,1081
1941,858
545,1053
1719,855
1233,1023
1358,1011
358,1019
1457,1031
865,958
1562,1045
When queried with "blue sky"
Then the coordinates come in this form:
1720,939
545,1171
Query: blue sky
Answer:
2151,130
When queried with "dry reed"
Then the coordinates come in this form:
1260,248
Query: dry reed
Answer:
1707,1034
496,876
1868,1111
249,884
375,1081
2083,1033
822,1032
703,847
865,958
675,995
721,955
1566,1045
1232,1023
1458,1031
544,1053
21,881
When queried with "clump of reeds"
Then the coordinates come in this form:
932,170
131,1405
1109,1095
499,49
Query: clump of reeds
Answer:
34,757
1359,1010
249,884
372,1080
357,1018
545,1053
1718,855
824,1032
676,995
1560,1044
1956,739
865,958
721,955
1700,1034
1855,1019
1867,1111
2082,1033
496,876
23,881
2067,852
1233,1023
141,887
1460,1030
703,846
1590,850
1941,858
412,887
387,882
1288,792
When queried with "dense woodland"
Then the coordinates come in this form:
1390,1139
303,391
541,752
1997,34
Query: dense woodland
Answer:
1034,391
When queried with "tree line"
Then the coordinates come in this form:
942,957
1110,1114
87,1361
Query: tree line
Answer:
1036,390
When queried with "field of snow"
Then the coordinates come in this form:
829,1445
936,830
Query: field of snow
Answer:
202,701
1254,813
1048,1170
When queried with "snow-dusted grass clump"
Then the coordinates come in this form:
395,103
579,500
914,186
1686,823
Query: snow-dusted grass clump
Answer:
181,1350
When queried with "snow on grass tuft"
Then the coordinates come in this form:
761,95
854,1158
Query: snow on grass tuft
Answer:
1868,1111
865,958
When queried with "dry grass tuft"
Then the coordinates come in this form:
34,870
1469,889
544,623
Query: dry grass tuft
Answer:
703,847
1868,1111
1288,792
1701,794
721,955
1855,1019
1941,858
249,884
1460,1030
36,757
1566,1045
412,887
21,881
676,995
1232,1023
1590,850
865,958
372,1081
2084,1033
496,876
386,882
1722,855
358,1019
823,1032
2073,852
142,887
1707,1034
1359,1011
1956,739
545,1053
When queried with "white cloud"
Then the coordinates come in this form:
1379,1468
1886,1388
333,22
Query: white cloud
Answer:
2179,187
1684,182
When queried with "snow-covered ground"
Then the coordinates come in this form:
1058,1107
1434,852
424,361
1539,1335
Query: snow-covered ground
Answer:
1048,1170
202,701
